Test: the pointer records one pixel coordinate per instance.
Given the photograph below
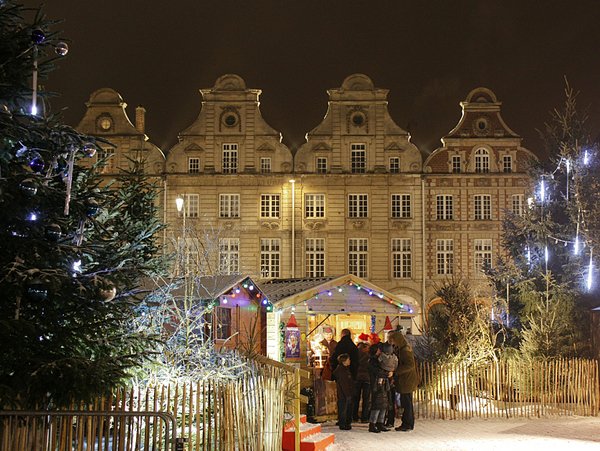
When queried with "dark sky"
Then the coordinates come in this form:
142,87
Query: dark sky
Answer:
428,53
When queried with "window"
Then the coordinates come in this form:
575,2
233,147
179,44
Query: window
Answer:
358,205
314,206
265,165
401,258
444,209
270,257
506,163
483,207
358,249
401,206
321,165
229,255
456,166
445,256
517,204
193,165
229,205
230,158
483,254
191,206
269,205
358,158
394,165
222,323
315,257
107,157
482,161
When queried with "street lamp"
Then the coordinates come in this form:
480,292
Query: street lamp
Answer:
179,202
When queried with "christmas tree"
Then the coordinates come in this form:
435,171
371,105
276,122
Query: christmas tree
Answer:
74,252
548,274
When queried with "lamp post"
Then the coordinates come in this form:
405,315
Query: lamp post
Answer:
180,203
293,237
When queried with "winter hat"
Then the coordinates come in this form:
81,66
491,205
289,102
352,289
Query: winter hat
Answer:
374,338
364,338
387,348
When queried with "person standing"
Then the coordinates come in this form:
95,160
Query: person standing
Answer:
345,389
406,379
380,388
362,385
346,346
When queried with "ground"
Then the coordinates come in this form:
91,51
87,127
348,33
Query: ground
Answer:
568,433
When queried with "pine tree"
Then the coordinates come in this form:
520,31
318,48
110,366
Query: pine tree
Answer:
73,251
549,263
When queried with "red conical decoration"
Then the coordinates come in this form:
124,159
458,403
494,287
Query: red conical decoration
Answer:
388,324
292,322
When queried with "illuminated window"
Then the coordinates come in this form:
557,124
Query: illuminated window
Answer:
229,255
444,207
315,257
230,158
483,207
193,165
358,158
358,205
358,252
401,258
314,206
270,257
229,205
269,205
445,256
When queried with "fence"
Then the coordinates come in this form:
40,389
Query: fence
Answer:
508,389
246,414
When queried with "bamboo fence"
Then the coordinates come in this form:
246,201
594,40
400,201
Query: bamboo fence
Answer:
508,389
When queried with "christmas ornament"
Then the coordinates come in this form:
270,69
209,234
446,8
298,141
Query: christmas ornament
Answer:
37,291
92,208
29,187
61,48
108,294
38,36
37,164
89,150
53,232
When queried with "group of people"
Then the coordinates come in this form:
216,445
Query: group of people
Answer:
378,377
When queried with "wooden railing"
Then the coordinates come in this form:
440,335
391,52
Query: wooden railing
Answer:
508,389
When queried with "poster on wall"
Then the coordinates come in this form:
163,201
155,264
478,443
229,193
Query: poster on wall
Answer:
292,343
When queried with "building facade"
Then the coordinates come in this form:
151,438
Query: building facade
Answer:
357,197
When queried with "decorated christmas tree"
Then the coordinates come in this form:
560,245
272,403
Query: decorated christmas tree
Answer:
74,252
547,280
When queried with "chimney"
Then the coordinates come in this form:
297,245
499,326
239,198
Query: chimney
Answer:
140,119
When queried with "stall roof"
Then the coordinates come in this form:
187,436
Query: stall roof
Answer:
286,292
211,287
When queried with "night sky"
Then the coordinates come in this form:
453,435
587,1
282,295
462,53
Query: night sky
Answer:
428,53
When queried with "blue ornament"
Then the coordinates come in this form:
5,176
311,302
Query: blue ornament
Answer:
29,187
92,208
38,36
37,164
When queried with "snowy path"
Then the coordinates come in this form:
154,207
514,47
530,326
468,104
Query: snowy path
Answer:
566,433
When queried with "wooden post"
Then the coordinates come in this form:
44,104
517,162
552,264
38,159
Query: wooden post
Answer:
297,409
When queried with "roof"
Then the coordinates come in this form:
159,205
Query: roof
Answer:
278,289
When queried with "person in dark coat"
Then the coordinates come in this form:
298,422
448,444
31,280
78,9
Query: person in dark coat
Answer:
406,379
346,346
345,389
380,389
362,385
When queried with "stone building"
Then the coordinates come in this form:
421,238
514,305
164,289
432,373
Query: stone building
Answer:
355,198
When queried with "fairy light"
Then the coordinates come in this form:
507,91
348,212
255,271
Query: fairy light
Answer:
546,254
542,190
586,158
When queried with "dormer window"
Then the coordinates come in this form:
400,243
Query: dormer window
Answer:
482,161
456,165
507,164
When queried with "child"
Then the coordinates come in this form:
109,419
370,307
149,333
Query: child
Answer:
345,387
380,389
389,362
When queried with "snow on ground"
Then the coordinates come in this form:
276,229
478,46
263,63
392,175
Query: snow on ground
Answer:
564,433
